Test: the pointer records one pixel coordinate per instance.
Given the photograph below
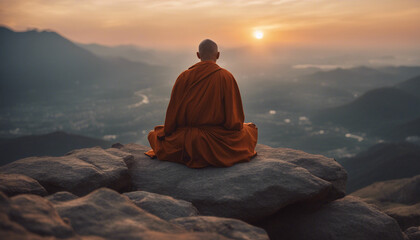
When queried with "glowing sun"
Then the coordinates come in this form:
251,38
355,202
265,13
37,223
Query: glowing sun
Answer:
258,34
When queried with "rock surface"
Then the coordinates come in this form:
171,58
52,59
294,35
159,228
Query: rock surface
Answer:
249,191
110,215
162,206
406,216
348,218
14,184
61,197
413,233
399,198
231,228
79,172
30,216
325,168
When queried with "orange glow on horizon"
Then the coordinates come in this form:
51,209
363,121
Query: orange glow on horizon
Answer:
179,24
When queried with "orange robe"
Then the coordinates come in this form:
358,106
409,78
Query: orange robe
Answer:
204,122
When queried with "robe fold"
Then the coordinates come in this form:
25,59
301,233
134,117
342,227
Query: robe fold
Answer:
204,122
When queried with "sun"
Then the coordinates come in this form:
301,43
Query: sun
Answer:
258,34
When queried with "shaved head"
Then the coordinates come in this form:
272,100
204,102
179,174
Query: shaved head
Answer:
207,50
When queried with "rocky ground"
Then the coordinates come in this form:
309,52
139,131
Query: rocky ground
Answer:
119,193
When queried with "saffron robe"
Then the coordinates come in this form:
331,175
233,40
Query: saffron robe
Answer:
204,122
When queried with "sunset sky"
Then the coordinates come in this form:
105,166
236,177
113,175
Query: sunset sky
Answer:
178,24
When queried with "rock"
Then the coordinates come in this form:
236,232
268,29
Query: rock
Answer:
405,191
73,171
162,206
61,197
325,168
128,158
413,233
348,218
231,228
399,198
248,191
406,216
108,214
28,216
14,184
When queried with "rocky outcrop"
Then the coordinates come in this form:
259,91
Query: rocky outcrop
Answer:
231,228
110,215
348,218
162,206
103,214
31,217
14,184
249,191
399,198
71,172
325,168
413,233
289,193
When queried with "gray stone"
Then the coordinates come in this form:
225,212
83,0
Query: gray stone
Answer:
325,168
231,228
14,184
110,215
247,191
406,216
162,206
348,218
79,172
413,233
61,197
28,216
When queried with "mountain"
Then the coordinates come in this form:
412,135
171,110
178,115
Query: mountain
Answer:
52,144
128,52
384,161
361,79
43,65
374,110
411,85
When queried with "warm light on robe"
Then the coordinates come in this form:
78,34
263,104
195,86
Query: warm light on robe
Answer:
204,122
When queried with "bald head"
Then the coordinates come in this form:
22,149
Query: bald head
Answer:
207,50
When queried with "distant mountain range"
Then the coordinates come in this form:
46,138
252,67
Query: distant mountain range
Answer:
37,65
359,80
52,144
381,112
384,161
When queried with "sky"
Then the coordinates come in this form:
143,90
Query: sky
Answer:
171,24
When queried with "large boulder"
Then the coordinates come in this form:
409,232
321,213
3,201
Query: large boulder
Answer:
79,172
247,191
399,198
348,218
14,184
110,215
28,216
231,228
323,167
162,206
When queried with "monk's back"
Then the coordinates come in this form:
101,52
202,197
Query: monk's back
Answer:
203,102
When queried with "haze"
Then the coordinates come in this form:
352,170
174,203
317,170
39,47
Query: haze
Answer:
181,24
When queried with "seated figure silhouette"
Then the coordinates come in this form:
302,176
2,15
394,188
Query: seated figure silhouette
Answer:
204,124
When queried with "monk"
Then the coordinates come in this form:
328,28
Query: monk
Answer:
204,124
